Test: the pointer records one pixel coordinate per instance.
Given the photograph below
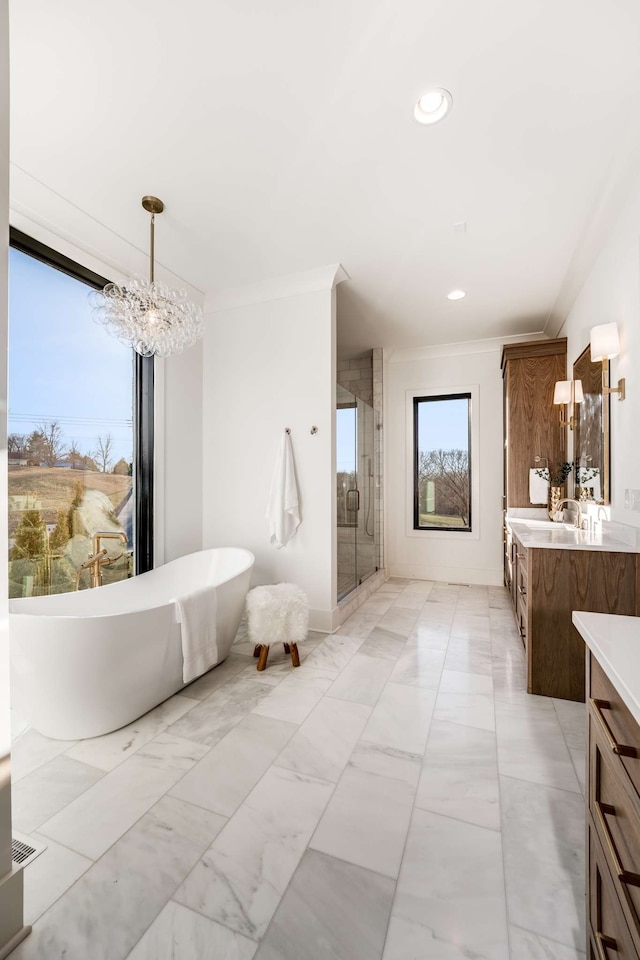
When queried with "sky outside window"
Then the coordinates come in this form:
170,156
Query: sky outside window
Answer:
64,365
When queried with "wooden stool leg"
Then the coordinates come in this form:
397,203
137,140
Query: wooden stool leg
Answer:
295,657
262,659
287,648
256,650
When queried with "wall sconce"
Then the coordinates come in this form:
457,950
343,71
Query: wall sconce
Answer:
569,392
605,345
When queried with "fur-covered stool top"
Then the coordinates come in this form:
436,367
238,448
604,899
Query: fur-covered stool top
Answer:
277,613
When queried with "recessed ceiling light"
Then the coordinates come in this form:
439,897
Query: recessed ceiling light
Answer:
456,295
433,105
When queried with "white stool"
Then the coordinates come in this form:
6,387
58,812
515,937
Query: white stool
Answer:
277,613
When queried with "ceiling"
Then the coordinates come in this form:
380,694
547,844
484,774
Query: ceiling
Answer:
281,138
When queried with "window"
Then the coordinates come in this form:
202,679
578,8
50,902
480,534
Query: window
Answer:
442,462
80,431
346,460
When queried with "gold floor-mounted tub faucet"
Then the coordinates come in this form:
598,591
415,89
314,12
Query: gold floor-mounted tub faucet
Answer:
100,558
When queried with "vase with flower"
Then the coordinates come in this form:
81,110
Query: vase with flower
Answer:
557,478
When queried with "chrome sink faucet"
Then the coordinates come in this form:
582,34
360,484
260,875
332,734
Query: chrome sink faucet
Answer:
557,517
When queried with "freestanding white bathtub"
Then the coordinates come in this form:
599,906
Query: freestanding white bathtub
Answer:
84,664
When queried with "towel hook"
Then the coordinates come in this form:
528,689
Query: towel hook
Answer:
313,430
287,430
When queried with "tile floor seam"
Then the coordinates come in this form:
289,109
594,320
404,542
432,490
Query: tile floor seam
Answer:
67,889
413,809
293,873
187,772
97,861
309,845
500,801
163,796
559,943
564,737
545,786
169,900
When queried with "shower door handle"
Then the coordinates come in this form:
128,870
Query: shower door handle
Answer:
357,494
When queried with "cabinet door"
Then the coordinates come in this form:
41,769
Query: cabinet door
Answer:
532,426
609,933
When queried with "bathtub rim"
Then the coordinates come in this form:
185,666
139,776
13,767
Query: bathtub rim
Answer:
164,602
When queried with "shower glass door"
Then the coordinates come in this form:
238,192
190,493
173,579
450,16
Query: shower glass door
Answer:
347,489
355,489
365,540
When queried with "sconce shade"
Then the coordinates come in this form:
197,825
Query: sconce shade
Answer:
562,392
568,391
605,342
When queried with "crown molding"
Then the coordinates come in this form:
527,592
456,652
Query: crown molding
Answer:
277,288
43,214
490,345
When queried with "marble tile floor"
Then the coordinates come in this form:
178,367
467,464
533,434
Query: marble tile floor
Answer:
397,797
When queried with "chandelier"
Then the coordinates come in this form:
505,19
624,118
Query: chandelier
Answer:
147,315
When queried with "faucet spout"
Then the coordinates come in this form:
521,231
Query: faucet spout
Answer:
558,514
99,558
108,535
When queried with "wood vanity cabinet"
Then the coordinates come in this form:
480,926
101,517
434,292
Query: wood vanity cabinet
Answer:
546,586
531,421
613,821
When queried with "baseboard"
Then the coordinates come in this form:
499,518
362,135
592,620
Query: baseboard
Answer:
478,576
12,930
13,943
320,621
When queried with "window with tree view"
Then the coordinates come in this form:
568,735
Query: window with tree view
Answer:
442,462
71,439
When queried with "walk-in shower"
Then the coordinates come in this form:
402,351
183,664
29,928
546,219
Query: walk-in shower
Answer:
356,469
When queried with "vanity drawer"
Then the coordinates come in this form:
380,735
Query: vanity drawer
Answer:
522,585
618,729
521,555
615,811
609,933
521,618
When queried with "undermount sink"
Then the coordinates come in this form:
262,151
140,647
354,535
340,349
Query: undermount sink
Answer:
546,524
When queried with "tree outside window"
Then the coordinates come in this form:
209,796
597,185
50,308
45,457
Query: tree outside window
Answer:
442,462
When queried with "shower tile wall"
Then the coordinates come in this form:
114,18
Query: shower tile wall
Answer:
357,377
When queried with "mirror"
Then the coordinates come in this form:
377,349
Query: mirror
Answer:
591,433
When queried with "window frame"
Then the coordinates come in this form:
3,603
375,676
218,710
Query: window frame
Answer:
431,398
143,392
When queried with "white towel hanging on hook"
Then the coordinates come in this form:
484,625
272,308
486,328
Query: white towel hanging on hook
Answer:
283,508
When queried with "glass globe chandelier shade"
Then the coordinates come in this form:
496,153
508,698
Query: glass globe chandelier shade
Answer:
146,314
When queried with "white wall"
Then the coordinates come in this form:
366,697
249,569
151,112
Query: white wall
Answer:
612,293
179,454
474,557
11,929
269,365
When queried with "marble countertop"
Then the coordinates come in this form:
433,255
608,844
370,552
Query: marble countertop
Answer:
615,643
565,536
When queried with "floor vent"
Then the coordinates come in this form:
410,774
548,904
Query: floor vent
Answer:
458,584
24,850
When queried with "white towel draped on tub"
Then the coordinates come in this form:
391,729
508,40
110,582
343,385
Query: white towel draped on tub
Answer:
197,613
539,486
283,508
